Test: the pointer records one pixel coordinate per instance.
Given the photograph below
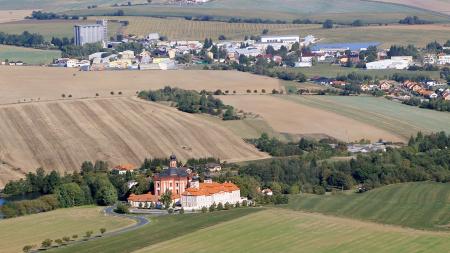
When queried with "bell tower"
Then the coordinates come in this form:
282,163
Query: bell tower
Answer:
173,161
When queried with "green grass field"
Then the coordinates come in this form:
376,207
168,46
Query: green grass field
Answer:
287,231
160,229
33,229
28,55
402,120
415,205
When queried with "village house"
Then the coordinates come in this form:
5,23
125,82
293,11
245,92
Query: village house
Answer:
443,59
213,167
124,168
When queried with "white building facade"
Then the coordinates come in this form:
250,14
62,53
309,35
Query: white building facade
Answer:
88,34
280,39
205,194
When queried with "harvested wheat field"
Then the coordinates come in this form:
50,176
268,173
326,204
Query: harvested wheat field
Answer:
442,6
25,84
294,118
13,15
61,135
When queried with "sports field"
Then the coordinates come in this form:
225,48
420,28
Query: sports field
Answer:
61,135
277,230
28,55
285,115
416,205
33,229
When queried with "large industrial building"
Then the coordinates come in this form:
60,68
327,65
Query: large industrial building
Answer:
91,33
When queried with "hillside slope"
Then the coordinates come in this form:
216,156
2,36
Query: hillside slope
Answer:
416,205
61,135
289,231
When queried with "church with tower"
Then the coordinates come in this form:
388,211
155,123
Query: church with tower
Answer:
186,189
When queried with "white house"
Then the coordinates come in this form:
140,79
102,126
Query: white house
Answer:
443,59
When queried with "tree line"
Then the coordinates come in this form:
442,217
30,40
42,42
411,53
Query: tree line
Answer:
25,39
192,101
426,157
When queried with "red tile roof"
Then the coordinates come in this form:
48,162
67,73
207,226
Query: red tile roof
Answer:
143,197
125,167
209,189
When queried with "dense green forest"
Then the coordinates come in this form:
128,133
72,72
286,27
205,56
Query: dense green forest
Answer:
192,101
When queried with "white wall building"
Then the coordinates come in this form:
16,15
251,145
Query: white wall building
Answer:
443,59
280,39
205,194
397,62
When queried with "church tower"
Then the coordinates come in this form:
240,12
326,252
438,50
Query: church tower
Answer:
173,161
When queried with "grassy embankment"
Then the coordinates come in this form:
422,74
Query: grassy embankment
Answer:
28,55
160,229
33,229
415,205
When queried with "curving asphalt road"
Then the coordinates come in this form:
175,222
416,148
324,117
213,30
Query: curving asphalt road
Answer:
140,221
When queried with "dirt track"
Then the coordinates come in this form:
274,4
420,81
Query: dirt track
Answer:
61,135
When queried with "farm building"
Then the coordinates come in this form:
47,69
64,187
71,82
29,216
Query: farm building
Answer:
280,39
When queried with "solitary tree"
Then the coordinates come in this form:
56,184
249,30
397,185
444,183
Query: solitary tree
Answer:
66,239
74,237
89,233
204,209
102,230
166,199
59,242
47,243
27,248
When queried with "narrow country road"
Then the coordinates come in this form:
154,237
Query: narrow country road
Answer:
140,221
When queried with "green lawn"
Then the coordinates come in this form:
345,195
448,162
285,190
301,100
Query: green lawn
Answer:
160,229
28,55
33,229
416,205
403,120
278,230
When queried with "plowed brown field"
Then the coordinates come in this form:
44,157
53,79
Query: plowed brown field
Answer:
61,135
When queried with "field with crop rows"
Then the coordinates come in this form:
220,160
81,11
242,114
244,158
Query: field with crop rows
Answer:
61,135
401,120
